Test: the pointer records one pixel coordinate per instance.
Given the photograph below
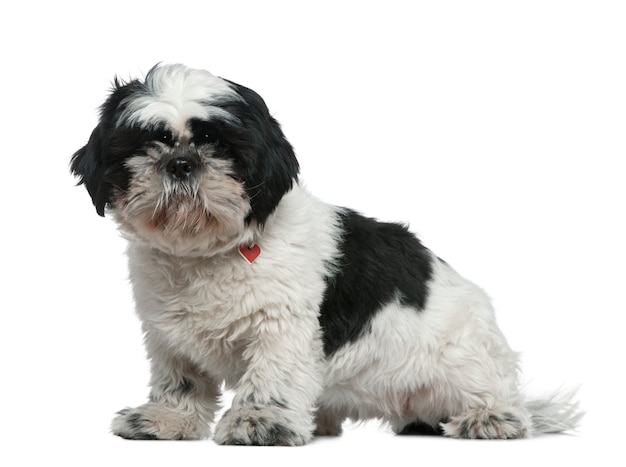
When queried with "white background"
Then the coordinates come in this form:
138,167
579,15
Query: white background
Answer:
495,129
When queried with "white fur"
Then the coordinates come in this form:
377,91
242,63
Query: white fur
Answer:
176,94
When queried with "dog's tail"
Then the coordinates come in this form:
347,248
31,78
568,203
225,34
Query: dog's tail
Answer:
555,414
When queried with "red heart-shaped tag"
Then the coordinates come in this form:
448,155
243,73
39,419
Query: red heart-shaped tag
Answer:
250,253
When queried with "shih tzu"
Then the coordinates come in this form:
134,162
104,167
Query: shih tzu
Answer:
312,313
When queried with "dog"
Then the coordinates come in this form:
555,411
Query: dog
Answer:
312,313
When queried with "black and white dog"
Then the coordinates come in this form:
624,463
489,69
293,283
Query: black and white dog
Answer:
311,312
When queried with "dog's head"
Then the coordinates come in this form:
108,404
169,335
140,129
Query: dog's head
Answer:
185,160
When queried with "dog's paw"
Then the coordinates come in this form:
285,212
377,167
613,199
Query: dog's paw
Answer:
488,424
261,426
153,421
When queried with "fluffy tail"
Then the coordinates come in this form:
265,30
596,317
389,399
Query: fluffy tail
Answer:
555,414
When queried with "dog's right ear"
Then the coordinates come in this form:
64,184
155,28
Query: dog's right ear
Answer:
91,162
88,164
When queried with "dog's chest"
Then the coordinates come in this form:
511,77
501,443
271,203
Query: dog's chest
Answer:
205,310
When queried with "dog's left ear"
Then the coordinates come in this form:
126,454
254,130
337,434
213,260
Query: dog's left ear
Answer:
87,164
271,167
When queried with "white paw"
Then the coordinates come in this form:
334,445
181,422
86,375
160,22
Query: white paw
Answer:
153,421
262,426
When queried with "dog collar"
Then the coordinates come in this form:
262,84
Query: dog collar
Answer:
250,252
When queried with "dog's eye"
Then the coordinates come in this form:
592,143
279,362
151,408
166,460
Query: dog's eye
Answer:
204,138
163,136
204,132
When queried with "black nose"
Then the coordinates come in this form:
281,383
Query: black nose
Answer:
181,168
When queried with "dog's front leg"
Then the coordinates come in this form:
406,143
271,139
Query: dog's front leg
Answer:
275,399
183,400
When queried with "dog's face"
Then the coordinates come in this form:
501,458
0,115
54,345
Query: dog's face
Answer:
186,161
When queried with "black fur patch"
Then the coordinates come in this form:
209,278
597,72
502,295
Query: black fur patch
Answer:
264,158
100,163
379,262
